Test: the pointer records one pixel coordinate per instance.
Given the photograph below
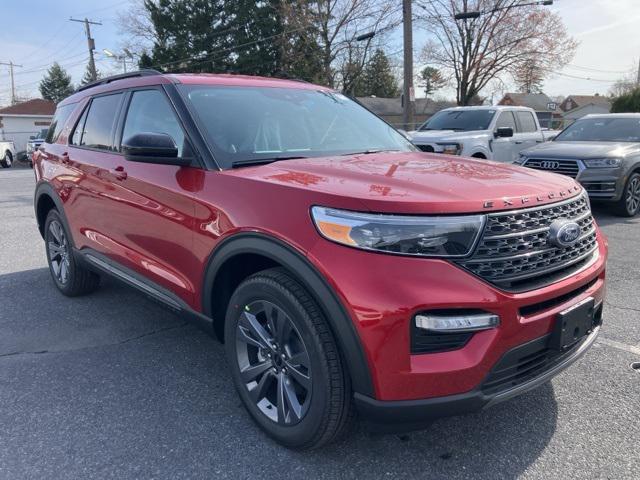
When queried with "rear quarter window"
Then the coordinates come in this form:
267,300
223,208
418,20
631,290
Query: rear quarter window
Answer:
527,122
59,121
98,128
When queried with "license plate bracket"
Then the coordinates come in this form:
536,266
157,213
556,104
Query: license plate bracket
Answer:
573,324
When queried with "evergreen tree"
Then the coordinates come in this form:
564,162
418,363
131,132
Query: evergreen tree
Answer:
629,102
192,35
56,84
86,78
431,80
378,78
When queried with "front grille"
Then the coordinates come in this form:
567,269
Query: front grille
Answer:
563,167
514,252
426,148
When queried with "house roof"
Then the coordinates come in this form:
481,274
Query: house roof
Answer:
581,100
37,106
393,106
605,107
538,101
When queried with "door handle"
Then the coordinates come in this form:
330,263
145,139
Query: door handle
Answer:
119,173
519,142
64,158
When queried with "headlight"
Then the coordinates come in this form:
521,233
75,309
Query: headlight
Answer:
603,163
450,148
405,235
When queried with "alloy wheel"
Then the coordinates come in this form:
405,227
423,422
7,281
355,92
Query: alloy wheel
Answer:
58,250
274,363
633,195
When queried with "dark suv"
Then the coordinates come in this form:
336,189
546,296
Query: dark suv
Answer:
343,269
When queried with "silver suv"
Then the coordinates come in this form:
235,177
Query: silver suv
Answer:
602,152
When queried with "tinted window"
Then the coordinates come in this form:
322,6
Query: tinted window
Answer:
602,130
77,132
460,120
527,122
58,122
150,112
253,123
100,119
506,120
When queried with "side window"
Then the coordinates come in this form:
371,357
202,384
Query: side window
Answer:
79,130
527,123
150,112
59,121
506,120
98,126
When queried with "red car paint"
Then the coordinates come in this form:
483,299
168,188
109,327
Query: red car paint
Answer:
165,222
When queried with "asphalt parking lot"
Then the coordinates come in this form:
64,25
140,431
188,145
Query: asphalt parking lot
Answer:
114,386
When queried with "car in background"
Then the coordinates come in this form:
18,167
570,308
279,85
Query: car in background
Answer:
7,154
34,142
492,132
602,152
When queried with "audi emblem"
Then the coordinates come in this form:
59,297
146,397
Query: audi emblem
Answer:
550,165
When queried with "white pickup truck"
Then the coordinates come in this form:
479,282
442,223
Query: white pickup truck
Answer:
494,132
7,154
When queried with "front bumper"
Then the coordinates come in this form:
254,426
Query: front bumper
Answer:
603,183
415,412
383,296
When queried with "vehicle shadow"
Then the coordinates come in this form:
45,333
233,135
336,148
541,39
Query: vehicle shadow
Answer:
113,385
604,215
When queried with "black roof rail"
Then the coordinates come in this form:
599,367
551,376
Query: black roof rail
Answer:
113,78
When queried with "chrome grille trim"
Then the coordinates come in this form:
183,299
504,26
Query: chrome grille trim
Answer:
518,251
570,168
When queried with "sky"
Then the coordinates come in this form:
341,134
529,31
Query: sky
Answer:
35,33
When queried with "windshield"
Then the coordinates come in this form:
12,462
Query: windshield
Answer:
459,120
602,130
245,124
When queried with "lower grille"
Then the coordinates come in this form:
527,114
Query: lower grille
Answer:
514,251
563,167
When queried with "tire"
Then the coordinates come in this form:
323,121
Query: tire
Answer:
7,161
295,354
71,278
629,203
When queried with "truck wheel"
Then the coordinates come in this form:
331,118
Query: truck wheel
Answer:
71,278
285,362
629,203
8,160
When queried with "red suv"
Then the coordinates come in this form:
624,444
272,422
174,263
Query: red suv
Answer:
343,269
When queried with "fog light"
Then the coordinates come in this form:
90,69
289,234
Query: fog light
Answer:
457,323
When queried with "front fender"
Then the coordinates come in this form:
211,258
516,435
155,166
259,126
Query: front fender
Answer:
305,272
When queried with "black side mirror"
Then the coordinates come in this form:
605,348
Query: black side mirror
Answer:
153,148
503,132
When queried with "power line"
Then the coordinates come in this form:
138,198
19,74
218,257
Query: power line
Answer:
13,86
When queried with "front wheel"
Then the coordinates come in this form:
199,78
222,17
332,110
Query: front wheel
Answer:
629,204
7,161
285,363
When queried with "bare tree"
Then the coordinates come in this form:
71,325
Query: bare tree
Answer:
134,23
624,85
339,23
529,76
500,41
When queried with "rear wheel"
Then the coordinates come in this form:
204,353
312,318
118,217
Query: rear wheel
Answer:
285,363
71,278
629,204
7,161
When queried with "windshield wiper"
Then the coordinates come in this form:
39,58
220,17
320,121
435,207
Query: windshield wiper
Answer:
368,152
263,161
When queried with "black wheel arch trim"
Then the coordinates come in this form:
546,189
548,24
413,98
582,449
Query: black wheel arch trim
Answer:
43,188
339,320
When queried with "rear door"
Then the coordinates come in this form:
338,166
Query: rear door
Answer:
504,147
528,134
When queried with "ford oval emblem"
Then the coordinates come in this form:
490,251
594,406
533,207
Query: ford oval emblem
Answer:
564,232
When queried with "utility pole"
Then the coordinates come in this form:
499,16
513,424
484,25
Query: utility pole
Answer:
10,64
91,44
408,95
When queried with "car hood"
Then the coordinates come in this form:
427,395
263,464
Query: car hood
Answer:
580,150
414,182
433,136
